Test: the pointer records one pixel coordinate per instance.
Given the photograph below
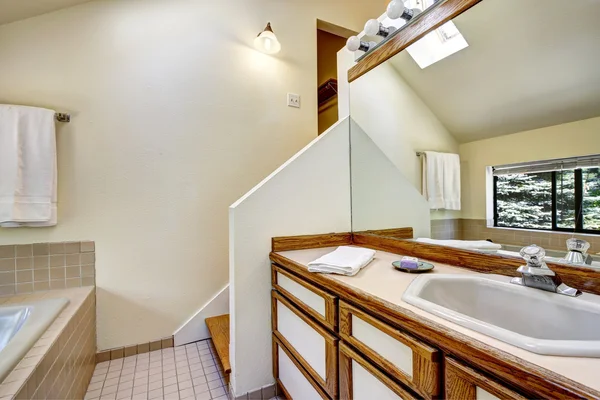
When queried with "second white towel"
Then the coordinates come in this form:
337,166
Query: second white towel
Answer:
345,260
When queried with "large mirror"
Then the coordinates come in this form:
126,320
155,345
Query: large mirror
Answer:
487,129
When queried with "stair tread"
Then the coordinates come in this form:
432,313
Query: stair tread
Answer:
219,329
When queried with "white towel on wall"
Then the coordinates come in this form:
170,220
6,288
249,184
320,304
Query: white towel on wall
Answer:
441,180
28,167
345,260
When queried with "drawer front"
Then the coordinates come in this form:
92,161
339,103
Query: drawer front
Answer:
464,383
291,376
360,380
406,358
311,344
317,303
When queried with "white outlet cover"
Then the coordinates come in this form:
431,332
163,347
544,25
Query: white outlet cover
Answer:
293,100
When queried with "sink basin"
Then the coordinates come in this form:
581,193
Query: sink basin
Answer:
534,320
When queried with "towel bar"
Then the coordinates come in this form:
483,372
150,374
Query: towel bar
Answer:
62,117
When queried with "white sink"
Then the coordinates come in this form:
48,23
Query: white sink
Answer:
534,320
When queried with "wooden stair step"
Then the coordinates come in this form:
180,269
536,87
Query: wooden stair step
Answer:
219,330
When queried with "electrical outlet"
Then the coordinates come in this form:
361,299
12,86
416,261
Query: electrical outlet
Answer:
293,100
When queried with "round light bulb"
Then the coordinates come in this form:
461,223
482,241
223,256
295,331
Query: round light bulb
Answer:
353,43
395,9
266,42
372,27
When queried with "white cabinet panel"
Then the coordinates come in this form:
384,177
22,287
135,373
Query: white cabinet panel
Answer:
303,294
298,387
367,387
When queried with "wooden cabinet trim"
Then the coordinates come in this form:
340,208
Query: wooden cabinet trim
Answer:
286,243
278,343
461,383
426,370
346,357
330,383
521,373
330,318
429,21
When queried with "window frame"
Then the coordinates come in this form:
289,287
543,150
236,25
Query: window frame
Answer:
578,207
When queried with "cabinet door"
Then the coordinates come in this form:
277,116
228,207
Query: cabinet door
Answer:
317,303
404,357
310,343
464,383
360,380
292,378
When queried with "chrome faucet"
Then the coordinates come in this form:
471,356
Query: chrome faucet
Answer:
536,273
577,254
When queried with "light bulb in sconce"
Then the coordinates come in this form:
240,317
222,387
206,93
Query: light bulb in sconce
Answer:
375,28
354,44
396,9
266,41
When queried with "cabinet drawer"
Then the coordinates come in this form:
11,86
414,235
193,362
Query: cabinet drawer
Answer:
360,380
291,376
406,358
464,383
311,344
317,303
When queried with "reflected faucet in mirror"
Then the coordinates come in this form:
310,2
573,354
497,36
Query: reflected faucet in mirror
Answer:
536,274
577,254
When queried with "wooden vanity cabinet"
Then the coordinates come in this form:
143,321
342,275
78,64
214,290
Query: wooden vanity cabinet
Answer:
357,355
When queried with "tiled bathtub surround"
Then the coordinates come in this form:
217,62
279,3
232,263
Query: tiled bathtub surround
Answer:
61,362
38,267
476,229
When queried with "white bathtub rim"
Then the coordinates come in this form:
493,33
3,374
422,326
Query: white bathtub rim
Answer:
43,313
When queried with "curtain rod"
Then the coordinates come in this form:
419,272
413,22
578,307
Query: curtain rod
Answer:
420,153
62,117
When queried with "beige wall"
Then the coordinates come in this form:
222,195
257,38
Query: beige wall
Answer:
399,122
175,116
566,140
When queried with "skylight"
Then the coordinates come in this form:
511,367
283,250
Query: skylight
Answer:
438,44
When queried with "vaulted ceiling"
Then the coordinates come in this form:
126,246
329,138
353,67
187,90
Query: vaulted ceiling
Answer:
529,64
14,10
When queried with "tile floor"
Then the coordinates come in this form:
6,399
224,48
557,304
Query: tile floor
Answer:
186,372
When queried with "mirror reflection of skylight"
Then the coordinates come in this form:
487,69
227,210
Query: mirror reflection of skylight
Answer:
438,44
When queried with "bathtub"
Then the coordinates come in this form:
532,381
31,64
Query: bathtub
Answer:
21,325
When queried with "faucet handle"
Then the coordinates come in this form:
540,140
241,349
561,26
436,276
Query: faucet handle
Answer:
578,245
534,256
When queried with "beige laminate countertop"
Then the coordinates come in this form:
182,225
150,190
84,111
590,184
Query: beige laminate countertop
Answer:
381,280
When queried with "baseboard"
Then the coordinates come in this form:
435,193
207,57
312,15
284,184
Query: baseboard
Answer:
195,329
126,351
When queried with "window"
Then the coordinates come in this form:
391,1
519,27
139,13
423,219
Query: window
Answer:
437,45
558,195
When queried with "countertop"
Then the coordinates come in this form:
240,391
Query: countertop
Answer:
381,280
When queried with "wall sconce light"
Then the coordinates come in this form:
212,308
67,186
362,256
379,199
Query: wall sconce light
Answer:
396,9
266,41
354,44
375,28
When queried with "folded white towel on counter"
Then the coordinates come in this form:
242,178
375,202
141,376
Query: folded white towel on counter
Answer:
28,178
480,245
345,260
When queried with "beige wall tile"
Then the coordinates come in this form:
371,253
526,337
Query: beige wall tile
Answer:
129,351
41,275
88,270
72,248
73,272
156,345
40,249
24,250
7,251
116,354
88,247
73,282
57,248
88,258
40,262
24,263
58,284
143,348
167,342
72,259
24,288
41,286
8,290
25,276
103,356
7,278
57,273
7,264
57,260
88,281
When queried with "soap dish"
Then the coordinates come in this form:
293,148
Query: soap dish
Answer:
423,267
